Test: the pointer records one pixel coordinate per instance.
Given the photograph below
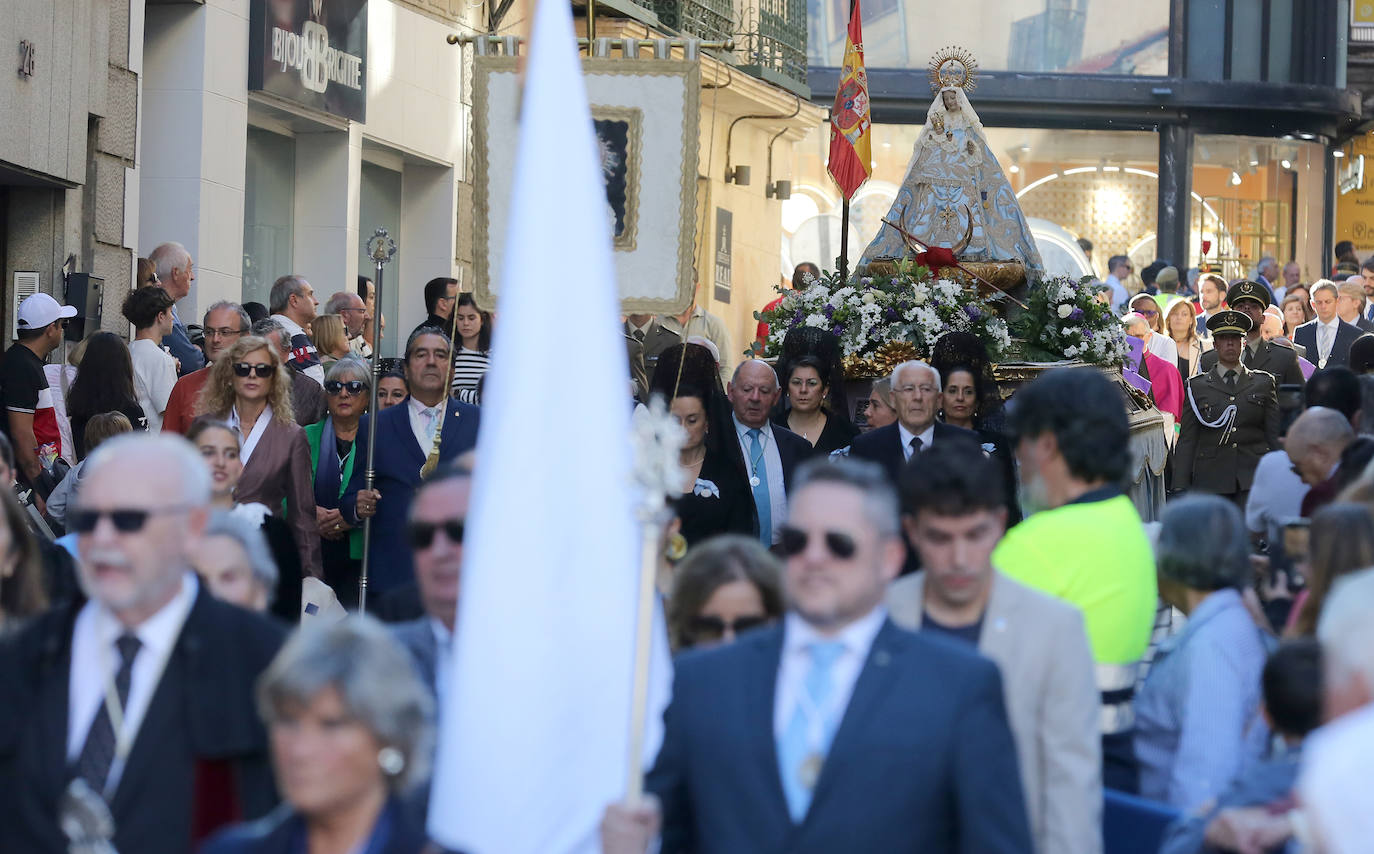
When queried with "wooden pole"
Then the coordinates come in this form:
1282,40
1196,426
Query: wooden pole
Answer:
644,623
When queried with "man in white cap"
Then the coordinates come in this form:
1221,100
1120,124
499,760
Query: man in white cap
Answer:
30,420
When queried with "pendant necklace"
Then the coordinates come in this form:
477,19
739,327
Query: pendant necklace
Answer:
754,464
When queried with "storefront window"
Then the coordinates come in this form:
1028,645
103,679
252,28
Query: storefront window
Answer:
1066,36
1255,196
268,202
379,206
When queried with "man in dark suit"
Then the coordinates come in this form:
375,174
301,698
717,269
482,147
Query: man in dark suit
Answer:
1272,357
141,697
437,517
768,453
1327,338
1230,418
174,273
916,393
405,438
826,733
646,329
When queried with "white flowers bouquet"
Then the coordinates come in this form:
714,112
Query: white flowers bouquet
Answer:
1066,320
907,312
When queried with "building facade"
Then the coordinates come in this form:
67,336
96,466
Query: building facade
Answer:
68,149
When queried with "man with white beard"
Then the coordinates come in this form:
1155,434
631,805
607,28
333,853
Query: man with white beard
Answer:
1082,540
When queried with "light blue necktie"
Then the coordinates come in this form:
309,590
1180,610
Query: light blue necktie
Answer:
796,748
758,470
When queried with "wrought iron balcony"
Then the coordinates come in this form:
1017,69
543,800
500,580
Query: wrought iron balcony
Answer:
774,43
708,20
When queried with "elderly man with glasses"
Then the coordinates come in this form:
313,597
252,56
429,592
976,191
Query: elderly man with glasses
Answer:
225,323
141,696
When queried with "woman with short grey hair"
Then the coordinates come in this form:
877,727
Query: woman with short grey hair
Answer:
351,730
347,387
235,562
1197,715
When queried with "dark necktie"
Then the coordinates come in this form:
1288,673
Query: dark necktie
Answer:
639,335
97,754
915,444
1231,379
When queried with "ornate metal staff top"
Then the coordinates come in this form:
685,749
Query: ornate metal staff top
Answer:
380,248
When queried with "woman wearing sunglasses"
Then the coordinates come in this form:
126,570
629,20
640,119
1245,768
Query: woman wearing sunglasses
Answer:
250,390
1156,340
333,454
725,586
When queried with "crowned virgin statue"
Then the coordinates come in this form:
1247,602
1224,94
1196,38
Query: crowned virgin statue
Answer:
955,195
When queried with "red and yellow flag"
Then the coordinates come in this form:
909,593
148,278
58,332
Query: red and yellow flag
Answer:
851,159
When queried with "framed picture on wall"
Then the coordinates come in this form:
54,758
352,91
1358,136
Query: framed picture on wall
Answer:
645,116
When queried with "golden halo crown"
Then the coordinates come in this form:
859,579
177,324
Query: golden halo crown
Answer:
953,66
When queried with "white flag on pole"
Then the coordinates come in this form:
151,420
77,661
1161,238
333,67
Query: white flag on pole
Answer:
534,735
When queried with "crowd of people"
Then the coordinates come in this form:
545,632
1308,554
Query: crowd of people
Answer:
933,621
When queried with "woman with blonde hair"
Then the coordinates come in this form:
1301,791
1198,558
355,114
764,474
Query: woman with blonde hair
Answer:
328,334
250,390
1180,322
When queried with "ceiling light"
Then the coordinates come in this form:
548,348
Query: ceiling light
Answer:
1337,153
1014,169
1235,179
1286,164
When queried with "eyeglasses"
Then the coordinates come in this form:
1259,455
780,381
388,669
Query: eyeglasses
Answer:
421,534
342,310
793,541
337,386
211,332
1145,312
260,370
706,628
126,521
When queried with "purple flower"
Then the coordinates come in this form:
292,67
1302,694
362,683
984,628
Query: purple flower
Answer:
972,312
798,317
891,313
838,329
829,311
1076,314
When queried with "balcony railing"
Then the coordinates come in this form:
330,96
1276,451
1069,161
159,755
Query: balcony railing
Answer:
708,20
770,35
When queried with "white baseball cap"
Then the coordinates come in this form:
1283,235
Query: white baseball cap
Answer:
39,310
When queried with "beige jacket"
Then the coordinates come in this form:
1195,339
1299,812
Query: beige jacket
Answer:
1040,646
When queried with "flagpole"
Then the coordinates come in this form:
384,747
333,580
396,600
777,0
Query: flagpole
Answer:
844,240
380,248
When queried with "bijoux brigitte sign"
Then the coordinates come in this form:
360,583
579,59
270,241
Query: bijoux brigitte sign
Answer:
312,52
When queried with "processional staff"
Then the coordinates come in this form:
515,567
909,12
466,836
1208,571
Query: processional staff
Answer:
380,248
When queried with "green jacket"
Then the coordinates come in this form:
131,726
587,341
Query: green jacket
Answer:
313,432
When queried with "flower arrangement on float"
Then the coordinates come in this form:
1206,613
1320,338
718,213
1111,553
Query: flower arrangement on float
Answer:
1065,319
884,320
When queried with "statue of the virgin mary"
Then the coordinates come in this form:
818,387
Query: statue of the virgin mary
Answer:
955,194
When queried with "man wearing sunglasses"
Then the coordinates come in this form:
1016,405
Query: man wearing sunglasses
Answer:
435,531
143,693
405,436
224,324
954,513
1118,271
31,420
837,731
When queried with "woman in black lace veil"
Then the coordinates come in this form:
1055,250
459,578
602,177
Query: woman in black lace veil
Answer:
963,364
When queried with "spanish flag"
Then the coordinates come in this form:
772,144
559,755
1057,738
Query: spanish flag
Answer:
851,159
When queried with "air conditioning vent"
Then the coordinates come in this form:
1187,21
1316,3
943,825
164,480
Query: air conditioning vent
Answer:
25,285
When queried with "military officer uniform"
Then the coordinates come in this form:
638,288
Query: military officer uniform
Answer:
1230,420
1259,355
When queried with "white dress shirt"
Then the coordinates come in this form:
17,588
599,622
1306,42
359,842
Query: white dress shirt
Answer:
95,661
424,437
927,438
772,463
155,373
248,443
1326,338
443,658
797,637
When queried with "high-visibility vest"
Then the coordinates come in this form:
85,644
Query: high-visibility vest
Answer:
1095,556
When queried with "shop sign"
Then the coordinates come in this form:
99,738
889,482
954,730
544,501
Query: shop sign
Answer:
312,52
725,227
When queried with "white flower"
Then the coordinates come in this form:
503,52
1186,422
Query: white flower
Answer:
1064,294
816,320
919,294
1064,311
868,298
841,295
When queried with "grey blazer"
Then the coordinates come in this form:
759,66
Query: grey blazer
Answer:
1049,681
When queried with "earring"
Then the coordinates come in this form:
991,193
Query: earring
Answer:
676,549
391,761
